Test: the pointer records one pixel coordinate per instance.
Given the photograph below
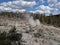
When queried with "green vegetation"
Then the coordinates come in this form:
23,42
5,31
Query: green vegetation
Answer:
12,36
50,20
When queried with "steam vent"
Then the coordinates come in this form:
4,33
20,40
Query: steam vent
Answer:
23,29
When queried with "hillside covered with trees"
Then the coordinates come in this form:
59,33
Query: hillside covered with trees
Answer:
50,20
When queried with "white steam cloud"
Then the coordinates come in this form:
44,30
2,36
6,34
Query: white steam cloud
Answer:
31,21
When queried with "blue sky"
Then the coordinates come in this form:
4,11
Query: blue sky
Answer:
35,6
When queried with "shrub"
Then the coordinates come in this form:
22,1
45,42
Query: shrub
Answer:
12,36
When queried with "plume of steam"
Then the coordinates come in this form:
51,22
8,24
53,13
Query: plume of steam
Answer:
31,21
37,22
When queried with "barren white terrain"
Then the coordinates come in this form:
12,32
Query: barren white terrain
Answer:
38,35
34,32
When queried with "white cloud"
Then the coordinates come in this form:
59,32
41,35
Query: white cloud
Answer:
44,8
21,5
17,10
52,2
2,8
39,11
58,5
56,11
16,5
22,10
28,4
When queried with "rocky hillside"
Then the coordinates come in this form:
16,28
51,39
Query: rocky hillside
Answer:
38,35
33,32
41,35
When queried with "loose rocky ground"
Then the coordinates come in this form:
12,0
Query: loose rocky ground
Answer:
38,35
45,35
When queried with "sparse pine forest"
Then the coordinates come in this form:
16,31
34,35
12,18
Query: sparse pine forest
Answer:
50,20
